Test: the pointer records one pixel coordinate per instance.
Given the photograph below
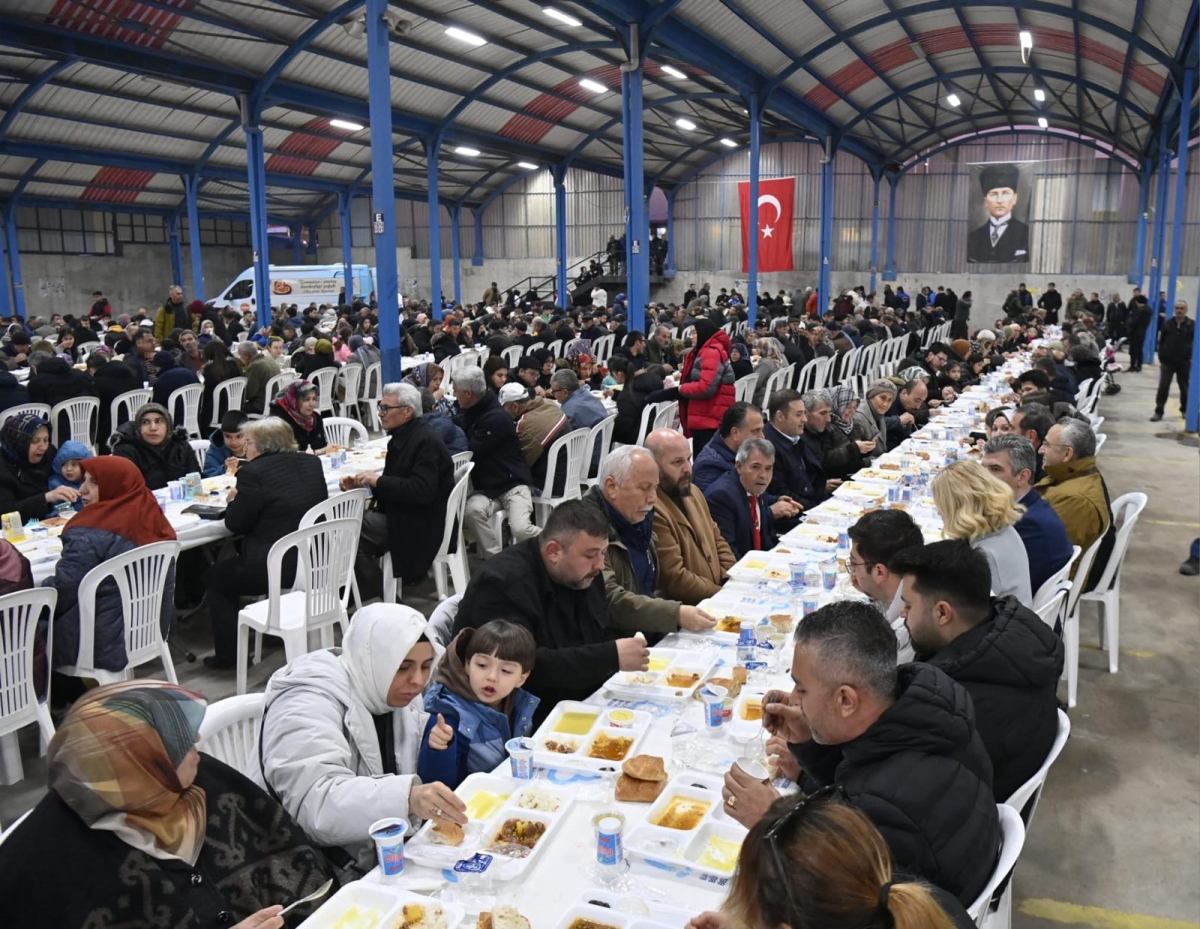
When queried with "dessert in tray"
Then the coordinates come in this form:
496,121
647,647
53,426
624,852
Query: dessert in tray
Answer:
582,737
687,828
673,675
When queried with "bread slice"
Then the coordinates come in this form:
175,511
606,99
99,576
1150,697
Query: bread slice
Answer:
502,917
446,833
631,790
645,768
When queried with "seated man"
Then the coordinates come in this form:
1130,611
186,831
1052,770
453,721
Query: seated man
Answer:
874,541
831,455
259,368
1012,459
694,559
553,585
540,422
501,477
908,413
741,506
578,403
625,493
1002,653
785,431
1074,487
739,422
900,741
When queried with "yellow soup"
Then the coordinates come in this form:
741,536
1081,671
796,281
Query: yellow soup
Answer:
484,804
576,723
720,854
658,664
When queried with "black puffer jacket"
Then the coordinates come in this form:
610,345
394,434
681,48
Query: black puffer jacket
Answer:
167,462
631,400
922,775
24,488
1009,664
492,435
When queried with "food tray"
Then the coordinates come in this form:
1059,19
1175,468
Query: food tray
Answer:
819,538
732,606
680,850
598,728
660,914
501,799
385,903
762,566
740,728
654,684
597,917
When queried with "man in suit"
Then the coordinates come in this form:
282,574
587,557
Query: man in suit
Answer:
741,506
1003,238
785,432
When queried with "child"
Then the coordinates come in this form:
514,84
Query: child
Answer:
478,698
67,470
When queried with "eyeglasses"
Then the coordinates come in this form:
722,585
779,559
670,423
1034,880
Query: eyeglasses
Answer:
860,564
385,408
775,831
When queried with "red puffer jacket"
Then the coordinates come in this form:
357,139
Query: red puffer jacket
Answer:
706,388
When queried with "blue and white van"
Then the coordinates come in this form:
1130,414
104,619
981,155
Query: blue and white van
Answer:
298,284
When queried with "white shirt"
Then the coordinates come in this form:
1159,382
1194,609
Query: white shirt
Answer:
904,648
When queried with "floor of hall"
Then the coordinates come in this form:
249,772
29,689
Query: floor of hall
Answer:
1116,840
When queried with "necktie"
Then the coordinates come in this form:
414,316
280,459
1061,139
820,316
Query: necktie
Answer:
997,228
754,522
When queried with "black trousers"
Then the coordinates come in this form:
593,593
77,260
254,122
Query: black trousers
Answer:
1137,342
1166,371
701,437
228,582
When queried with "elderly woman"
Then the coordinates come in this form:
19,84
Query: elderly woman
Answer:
151,441
861,431
119,514
976,506
140,829
297,406
739,357
342,730
26,459
275,488
429,376
870,417
770,360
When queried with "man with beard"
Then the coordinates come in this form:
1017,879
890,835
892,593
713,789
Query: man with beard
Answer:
553,585
875,540
693,558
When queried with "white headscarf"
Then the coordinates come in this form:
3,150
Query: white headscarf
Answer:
380,638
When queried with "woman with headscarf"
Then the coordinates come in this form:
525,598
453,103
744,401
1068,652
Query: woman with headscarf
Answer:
546,359
363,352
429,376
869,418
120,514
770,360
342,730
297,406
139,828
862,432
840,454
26,463
739,357
208,332
160,451
321,357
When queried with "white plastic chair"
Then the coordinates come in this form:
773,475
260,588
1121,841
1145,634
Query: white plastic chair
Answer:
324,380
777,381
1071,621
602,348
598,445
441,622
141,577
576,445
1012,840
1026,797
647,424
666,416
744,387
339,430
83,420
1049,588
200,447
556,348
512,356
230,393
351,378
19,704
5,833
454,562
230,728
461,460
190,396
1107,593
41,409
349,504
125,405
1051,607
1101,438
372,392
324,570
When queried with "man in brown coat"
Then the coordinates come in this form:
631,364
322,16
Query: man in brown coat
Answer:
693,557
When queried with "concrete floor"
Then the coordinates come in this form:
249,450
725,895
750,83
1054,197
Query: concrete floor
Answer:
1116,841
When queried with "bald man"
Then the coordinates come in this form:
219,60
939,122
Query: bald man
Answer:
693,557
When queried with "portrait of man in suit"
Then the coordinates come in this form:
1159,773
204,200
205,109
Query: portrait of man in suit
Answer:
1003,238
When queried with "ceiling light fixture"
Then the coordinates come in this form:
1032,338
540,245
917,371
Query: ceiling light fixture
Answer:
345,124
1043,123
466,150
953,100
562,17
594,86
463,36
1026,38
1039,95
673,72
729,143
356,28
685,124
527,165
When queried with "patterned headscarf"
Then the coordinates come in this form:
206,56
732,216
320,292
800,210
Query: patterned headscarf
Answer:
577,347
16,435
114,759
840,398
290,400
915,373
422,374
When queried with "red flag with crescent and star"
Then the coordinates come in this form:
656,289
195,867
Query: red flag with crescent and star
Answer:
773,218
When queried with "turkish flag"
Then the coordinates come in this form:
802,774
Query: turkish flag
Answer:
772,221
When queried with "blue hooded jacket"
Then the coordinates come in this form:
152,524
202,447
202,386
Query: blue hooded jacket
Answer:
70,450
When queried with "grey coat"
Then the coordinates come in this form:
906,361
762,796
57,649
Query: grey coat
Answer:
1009,564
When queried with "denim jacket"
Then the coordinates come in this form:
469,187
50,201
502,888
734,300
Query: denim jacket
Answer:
479,734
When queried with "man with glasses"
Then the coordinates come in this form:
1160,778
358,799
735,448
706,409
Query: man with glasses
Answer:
900,741
1174,359
875,540
577,402
1075,488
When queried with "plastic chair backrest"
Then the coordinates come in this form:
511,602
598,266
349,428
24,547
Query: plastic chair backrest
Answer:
228,394
141,577
373,385
1125,512
325,562
340,429
351,376
200,447
648,413
602,348
777,381
125,405
1084,390
349,504
1049,589
743,387
1081,574
1101,438
556,348
230,728
456,505
274,387
190,396
601,436
1025,798
20,612
83,419
461,460
1050,609
575,443
1012,840
808,375
41,409
666,415
324,380
441,622
512,355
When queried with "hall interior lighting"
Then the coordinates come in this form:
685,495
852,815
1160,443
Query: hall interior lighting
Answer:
463,36
466,150
594,86
687,124
953,100
729,143
674,72
1043,123
564,18
345,124
527,165
1039,95
1026,38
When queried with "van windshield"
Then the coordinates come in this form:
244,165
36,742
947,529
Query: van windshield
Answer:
241,290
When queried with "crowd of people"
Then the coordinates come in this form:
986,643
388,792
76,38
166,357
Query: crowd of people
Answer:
915,710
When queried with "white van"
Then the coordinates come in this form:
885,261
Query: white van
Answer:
298,284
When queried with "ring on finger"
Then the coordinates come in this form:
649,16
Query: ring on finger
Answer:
437,812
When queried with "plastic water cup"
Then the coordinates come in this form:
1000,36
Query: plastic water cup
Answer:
754,768
520,757
176,489
388,835
829,575
797,573
163,497
810,602
714,706
610,846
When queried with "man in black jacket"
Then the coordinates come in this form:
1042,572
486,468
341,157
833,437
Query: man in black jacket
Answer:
1174,359
410,494
900,742
1136,324
553,585
1008,660
1051,302
785,432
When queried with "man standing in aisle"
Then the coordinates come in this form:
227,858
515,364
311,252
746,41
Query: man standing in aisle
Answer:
1174,359
1137,322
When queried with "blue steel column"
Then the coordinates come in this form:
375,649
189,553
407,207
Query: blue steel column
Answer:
257,175
477,254
1158,250
1137,271
823,281
456,255
669,267
5,298
637,226
435,225
752,219
344,201
176,249
1181,160
383,187
889,269
191,186
1193,404
559,174
874,229
14,260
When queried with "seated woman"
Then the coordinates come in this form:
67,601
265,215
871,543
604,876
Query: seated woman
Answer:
844,404
119,515
218,367
429,376
275,488
813,862
321,357
868,421
297,406
342,729
160,451
975,505
139,828
26,463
